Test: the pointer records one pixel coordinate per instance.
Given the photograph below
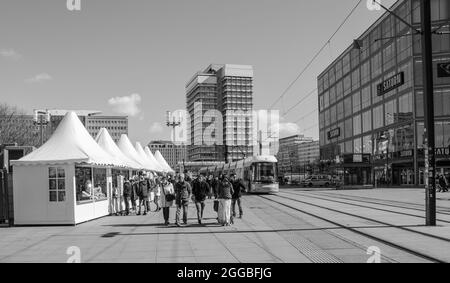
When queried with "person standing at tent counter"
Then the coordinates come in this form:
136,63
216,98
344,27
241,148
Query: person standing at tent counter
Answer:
127,188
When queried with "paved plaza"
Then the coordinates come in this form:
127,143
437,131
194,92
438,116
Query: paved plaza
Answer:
289,227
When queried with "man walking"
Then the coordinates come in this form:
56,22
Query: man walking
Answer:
127,187
200,190
143,195
183,193
238,187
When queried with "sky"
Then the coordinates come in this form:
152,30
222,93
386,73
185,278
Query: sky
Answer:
135,57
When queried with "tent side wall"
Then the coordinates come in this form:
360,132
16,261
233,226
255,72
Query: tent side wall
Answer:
32,204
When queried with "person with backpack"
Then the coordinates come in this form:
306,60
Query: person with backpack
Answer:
238,188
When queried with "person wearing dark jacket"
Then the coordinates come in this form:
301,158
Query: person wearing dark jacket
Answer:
238,187
143,195
127,188
225,195
443,184
183,194
133,195
200,190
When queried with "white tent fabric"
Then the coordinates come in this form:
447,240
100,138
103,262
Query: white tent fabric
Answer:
70,143
153,159
162,161
150,164
105,141
127,148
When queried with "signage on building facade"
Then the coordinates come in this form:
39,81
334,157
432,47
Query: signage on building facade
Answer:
391,84
443,70
334,133
443,151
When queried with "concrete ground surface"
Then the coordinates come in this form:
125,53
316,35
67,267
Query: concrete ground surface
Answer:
289,227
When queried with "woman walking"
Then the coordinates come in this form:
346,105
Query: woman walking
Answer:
167,198
225,196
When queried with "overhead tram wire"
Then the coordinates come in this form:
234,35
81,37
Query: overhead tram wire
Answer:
300,101
316,55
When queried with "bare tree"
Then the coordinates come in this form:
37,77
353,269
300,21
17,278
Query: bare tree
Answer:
16,127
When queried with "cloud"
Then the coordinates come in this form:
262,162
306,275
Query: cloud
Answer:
126,105
10,54
288,129
39,78
156,128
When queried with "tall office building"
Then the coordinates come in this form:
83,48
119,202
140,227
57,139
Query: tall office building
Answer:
116,125
220,105
371,101
172,153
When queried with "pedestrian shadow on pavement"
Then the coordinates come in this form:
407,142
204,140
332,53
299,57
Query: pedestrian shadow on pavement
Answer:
235,231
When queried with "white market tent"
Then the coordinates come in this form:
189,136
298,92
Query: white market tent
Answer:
150,156
150,164
128,150
70,143
105,141
47,187
163,162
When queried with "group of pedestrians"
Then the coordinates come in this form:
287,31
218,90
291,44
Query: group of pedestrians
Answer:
140,188
180,192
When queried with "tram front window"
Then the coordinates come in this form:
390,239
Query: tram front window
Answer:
264,172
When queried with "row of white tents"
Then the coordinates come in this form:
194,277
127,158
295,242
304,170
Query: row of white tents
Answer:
47,182
72,142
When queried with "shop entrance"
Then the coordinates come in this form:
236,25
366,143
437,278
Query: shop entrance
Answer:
403,175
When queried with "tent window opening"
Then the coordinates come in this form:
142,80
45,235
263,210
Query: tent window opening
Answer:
57,184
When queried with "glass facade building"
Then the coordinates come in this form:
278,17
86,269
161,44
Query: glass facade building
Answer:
371,101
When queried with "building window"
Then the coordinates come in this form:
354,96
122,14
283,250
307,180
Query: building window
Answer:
57,184
357,125
378,117
405,107
340,111
348,106
356,102
377,65
366,97
367,121
348,128
390,111
357,146
367,145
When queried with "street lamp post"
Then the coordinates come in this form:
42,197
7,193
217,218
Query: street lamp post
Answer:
41,118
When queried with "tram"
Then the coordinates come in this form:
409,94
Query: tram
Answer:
258,173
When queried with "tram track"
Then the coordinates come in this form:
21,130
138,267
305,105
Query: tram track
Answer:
359,232
384,202
330,199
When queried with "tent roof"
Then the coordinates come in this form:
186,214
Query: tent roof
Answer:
162,161
70,143
128,150
107,144
153,159
150,163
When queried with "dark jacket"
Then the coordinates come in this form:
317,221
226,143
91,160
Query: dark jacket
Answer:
442,182
215,188
225,190
142,189
134,189
183,192
127,188
238,187
200,190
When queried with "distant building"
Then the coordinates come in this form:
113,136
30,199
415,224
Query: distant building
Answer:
227,90
172,153
194,167
116,125
296,153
